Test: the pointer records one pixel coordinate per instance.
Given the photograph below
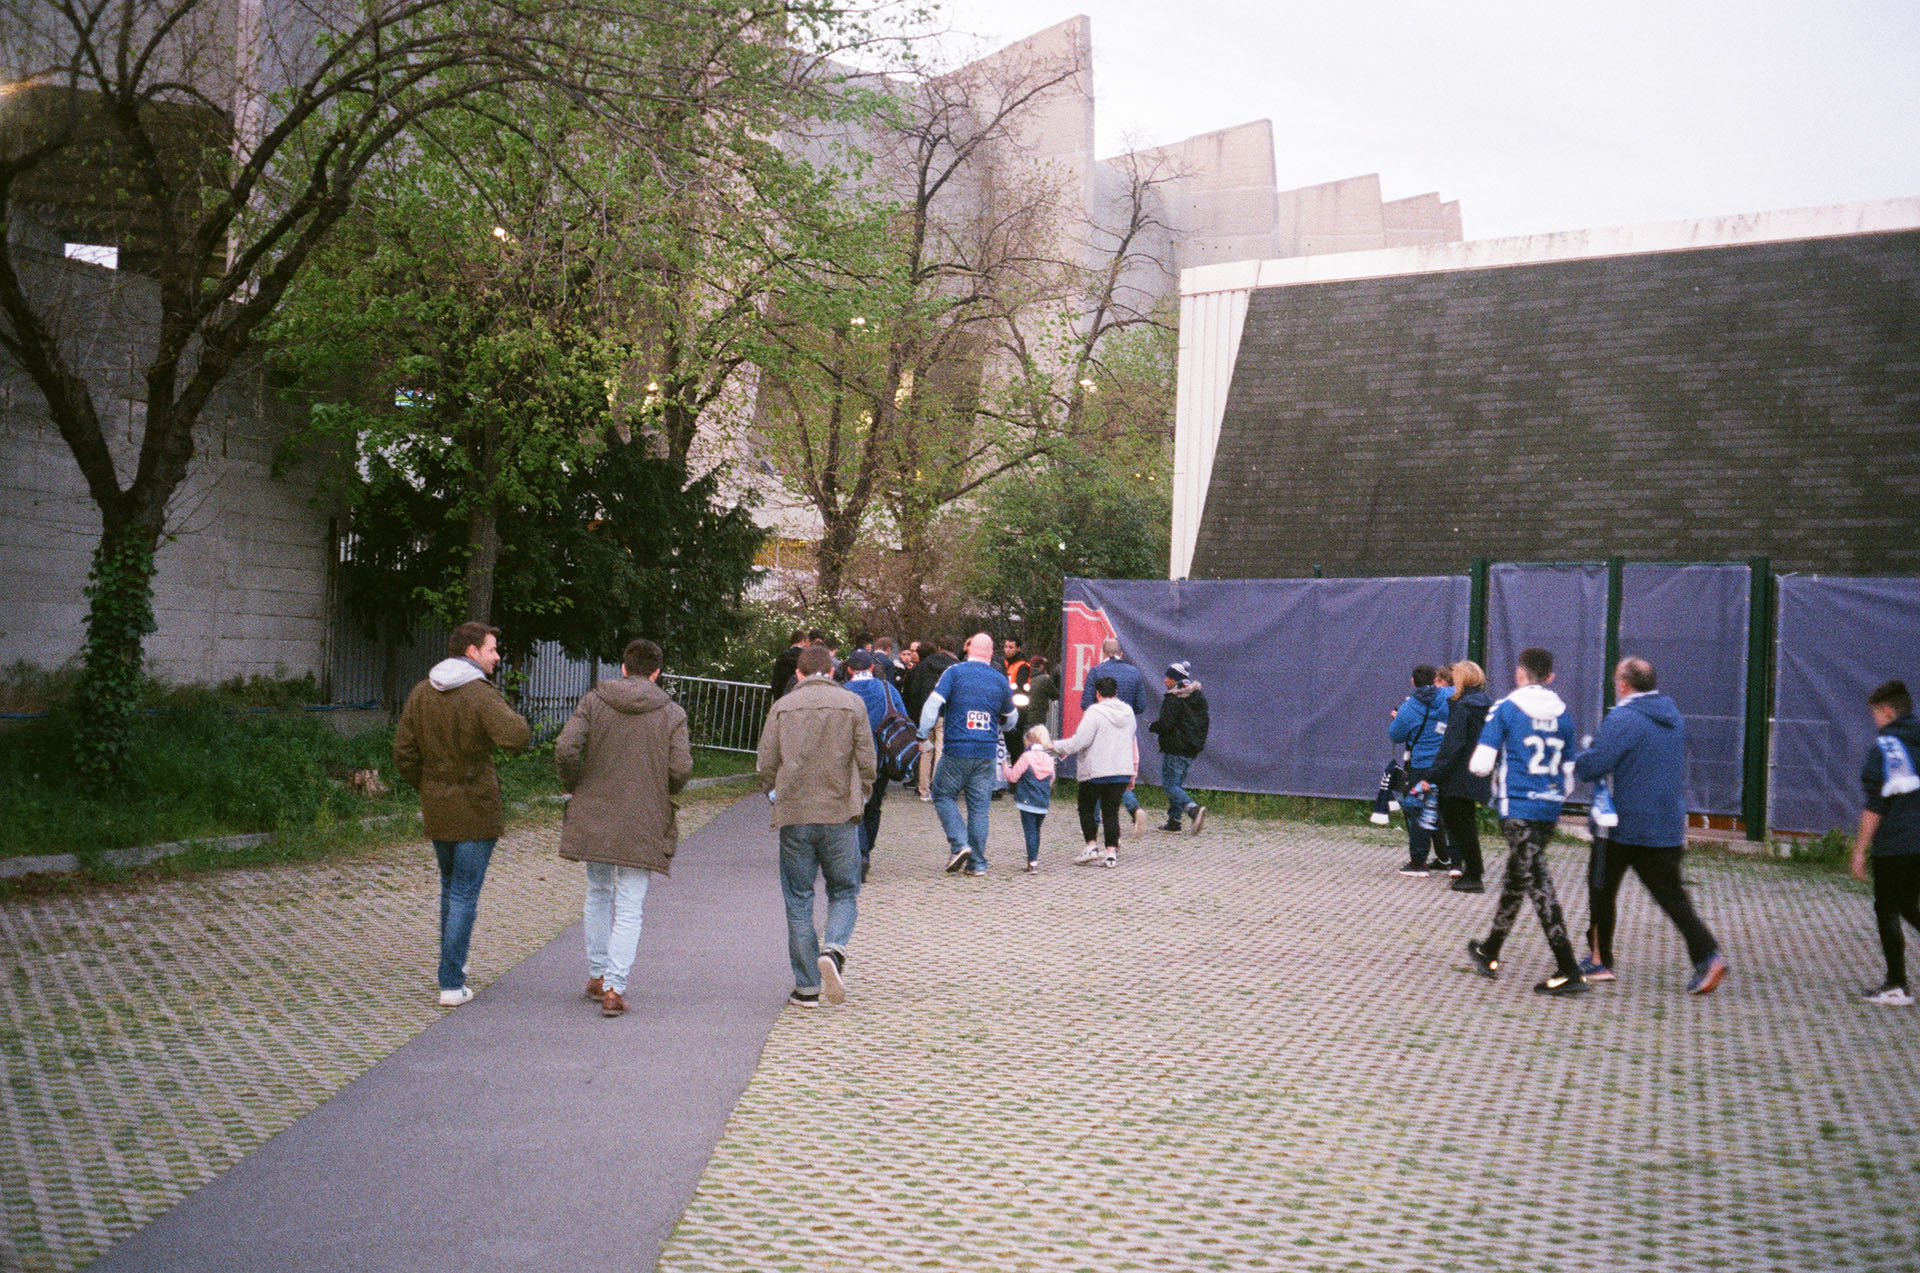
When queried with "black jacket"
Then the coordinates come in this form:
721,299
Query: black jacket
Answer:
1899,832
783,668
1183,721
1465,718
920,681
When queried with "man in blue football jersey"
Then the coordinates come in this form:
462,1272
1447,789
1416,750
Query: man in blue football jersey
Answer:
978,705
1528,738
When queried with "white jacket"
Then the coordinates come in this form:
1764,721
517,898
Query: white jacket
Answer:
1106,736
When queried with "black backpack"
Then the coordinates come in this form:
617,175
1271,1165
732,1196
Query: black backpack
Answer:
899,742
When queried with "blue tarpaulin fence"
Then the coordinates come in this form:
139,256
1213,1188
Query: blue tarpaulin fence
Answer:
1301,674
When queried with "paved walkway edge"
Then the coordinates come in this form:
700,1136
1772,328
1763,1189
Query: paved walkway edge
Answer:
523,1131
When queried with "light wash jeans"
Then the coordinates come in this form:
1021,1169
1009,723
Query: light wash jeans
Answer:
955,776
463,869
615,895
808,850
1173,777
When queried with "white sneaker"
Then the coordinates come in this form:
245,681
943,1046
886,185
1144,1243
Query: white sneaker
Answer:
1889,997
1110,860
1088,856
833,987
454,998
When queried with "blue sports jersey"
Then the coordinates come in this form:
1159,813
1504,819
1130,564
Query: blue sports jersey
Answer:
1531,737
978,701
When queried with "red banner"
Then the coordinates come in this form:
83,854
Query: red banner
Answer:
1086,630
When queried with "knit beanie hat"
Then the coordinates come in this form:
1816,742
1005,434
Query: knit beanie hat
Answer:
1181,672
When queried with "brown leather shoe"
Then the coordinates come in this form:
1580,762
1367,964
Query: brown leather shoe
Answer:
611,1004
595,989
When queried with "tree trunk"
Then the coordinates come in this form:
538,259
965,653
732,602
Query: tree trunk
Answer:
119,617
830,558
483,555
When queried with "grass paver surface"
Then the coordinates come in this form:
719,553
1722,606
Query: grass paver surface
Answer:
153,1033
1262,1049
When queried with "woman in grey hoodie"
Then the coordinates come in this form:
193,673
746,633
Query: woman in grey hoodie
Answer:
1111,761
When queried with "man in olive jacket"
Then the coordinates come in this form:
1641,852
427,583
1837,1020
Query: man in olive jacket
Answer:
623,755
443,746
817,761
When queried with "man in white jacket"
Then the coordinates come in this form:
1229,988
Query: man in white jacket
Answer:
1110,762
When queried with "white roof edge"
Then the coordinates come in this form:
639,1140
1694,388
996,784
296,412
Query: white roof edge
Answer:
1745,229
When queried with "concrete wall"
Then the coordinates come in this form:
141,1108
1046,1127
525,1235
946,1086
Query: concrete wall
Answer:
242,582
1731,389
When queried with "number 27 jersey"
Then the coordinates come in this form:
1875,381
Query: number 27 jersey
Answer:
1532,735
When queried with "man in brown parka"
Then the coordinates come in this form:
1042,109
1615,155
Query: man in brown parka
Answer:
623,756
443,746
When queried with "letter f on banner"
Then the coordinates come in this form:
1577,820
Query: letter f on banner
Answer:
1086,630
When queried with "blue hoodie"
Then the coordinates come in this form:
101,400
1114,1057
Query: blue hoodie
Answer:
1422,721
1643,744
1524,745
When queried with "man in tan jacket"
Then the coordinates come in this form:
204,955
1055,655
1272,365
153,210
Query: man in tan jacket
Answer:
817,763
444,746
623,755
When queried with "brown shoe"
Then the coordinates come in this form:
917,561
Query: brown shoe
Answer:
611,1004
595,989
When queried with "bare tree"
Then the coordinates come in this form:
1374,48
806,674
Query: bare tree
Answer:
218,143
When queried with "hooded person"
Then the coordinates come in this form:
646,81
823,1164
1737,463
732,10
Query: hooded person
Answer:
1641,749
443,746
623,755
1182,729
1110,761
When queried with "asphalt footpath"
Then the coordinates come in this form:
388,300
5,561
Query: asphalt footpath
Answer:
523,1130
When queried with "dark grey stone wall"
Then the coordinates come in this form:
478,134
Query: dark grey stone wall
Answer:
1701,405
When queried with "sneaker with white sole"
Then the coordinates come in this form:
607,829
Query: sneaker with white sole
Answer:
1889,996
1033,866
1110,859
1593,970
1139,821
833,987
1197,817
798,1000
959,859
1087,856
1485,962
454,998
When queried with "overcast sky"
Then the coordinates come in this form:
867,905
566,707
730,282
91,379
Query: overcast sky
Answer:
1539,116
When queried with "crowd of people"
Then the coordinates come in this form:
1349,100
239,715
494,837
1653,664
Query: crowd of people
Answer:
964,730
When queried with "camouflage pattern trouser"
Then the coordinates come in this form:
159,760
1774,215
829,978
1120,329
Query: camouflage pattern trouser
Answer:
1528,879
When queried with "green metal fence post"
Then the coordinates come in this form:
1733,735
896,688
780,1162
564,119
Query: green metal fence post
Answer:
1477,610
1760,605
1616,576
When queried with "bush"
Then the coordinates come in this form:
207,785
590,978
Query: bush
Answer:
204,772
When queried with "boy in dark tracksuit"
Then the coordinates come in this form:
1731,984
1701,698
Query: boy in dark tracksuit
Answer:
1182,728
1890,829
1529,737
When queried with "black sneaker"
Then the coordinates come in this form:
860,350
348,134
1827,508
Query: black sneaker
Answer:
959,859
1485,963
1171,827
1415,870
799,1000
1197,815
1561,983
1467,884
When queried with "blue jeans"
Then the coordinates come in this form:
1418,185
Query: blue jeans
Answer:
615,895
1423,817
463,869
1173,776
810,849
955,775
1030,827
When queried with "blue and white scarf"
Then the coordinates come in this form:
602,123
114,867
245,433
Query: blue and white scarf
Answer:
1897,777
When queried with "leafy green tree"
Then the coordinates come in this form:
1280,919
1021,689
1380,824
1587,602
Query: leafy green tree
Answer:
219,149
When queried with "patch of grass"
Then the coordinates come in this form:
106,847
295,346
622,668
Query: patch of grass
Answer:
204,773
